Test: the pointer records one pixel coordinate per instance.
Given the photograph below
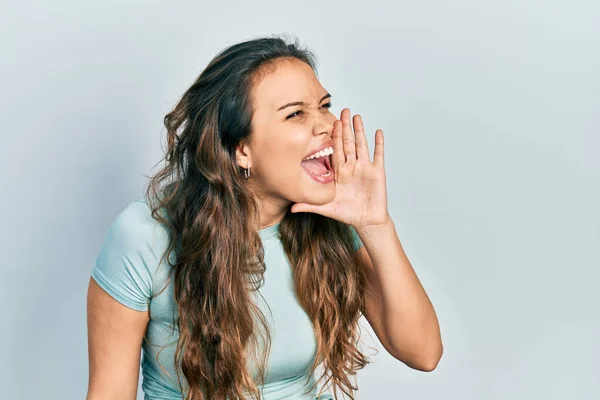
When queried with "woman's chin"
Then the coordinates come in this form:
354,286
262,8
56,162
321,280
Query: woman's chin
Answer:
322,195
312,191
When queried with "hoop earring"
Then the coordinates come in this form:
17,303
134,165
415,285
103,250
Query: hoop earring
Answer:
247,172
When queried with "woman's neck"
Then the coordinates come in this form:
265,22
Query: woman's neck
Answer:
272,212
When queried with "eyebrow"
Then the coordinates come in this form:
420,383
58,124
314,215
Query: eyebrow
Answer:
301,103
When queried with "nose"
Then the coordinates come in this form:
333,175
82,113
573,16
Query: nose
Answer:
324,124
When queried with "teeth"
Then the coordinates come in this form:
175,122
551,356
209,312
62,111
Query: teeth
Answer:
324,152
327,174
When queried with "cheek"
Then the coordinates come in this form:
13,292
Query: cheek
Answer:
281,154
277,165
284,157
283,166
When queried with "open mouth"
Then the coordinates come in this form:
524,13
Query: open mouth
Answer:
318,166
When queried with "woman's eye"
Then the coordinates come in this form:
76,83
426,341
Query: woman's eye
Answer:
294,114
327,105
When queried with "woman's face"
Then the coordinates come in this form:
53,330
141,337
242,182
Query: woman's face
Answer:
291,121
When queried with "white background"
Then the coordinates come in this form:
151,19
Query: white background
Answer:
490,112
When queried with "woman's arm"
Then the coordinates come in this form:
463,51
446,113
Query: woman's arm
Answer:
397,307
115,334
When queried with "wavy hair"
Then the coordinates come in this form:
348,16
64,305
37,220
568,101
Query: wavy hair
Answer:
213,219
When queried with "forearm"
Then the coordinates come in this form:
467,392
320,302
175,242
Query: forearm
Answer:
408,316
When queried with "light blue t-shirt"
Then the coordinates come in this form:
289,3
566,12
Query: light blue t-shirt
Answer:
127,267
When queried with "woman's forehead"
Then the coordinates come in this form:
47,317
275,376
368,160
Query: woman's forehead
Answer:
289,82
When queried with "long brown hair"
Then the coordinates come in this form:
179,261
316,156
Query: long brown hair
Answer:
213,218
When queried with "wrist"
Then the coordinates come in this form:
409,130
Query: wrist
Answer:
385,225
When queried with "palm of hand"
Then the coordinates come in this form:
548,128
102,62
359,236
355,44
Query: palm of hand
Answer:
361,198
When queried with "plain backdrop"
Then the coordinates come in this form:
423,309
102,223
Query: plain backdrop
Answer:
491,118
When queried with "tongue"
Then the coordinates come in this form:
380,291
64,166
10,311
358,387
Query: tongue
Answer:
314,167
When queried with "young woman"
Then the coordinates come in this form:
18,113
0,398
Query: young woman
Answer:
256,248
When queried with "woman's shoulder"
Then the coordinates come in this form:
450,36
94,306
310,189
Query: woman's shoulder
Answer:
135,225
130,255
138,212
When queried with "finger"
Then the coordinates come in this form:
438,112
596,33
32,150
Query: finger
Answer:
348,137
362,148
337,158
378,156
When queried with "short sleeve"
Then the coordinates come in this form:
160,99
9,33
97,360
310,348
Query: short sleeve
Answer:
126,258
356,242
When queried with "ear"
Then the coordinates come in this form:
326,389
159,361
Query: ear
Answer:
242,155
